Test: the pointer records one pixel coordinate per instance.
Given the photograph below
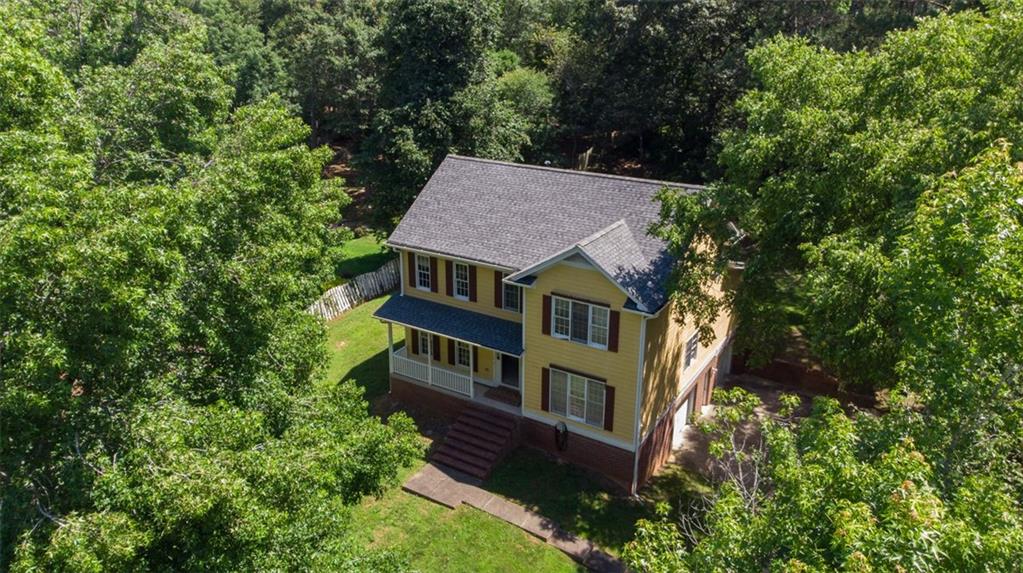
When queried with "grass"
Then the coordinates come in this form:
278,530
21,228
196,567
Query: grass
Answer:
362,255
357,344
435,538
575,500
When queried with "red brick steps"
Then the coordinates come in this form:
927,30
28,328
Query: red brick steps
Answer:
477,440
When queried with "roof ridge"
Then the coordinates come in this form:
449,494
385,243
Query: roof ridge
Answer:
692,186
593,237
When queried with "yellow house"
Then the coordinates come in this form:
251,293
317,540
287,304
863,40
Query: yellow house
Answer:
534,307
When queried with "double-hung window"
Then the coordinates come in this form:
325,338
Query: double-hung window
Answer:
462,281
580,322
462,353
512,298
692,348
577,398
423,278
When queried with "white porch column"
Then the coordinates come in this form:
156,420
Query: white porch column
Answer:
390,347
472,365
429,361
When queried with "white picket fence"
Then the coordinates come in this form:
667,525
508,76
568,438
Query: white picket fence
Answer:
364,287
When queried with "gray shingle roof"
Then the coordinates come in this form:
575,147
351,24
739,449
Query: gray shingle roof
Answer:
515,216
452,322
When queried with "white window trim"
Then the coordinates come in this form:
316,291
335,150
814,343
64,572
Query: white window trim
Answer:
586,398
428,352
518,298
454,279
589,322
419,285
459,345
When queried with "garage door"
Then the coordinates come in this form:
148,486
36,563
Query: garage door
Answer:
681,419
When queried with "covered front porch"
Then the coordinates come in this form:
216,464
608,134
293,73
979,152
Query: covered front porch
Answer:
456,351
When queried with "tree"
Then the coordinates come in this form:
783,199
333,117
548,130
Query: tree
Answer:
436,101
333,58
656,81
155,115
825,176
156,363
825,505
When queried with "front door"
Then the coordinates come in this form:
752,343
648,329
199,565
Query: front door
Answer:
510,370
681,419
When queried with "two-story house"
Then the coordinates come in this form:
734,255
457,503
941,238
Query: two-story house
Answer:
534,304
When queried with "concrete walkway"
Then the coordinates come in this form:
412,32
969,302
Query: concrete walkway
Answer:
451,488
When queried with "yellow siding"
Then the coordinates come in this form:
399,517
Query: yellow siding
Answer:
484,291
618,368
663,372
486,358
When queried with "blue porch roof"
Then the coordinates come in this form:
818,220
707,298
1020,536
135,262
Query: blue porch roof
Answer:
488,331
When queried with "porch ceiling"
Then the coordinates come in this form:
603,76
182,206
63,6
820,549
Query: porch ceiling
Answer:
494,333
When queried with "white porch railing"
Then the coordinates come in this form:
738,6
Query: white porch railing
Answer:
432,375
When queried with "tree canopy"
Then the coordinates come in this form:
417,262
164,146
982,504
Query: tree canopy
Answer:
156,361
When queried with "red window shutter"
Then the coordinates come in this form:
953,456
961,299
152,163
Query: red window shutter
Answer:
451,351
436,347
449,277
411,257
546,314
545,391
475,359
433,274
415,340
498,289
609,408
612,330
472,283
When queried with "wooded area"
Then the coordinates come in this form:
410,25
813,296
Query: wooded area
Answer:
165,224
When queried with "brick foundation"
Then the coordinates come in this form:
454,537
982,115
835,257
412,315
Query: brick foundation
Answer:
609,461
435,400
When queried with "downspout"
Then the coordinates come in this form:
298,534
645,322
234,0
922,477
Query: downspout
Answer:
639,401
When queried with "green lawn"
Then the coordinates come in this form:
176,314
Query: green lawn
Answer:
357,344
363,255
435,538
572,498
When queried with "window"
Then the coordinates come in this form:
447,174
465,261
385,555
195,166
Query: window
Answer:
562,314
580,322
461,353
598,325
462,281
692,347
577,398
423,277
424,343
512,298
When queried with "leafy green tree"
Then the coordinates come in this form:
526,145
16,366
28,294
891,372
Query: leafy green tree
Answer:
94,33
236,40
156,366
156,115
333,58
822,504
529,94
435,48
826,175
437,100
656,81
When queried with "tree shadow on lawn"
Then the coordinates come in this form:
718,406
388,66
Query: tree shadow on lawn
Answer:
353,267
371,375
577,501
